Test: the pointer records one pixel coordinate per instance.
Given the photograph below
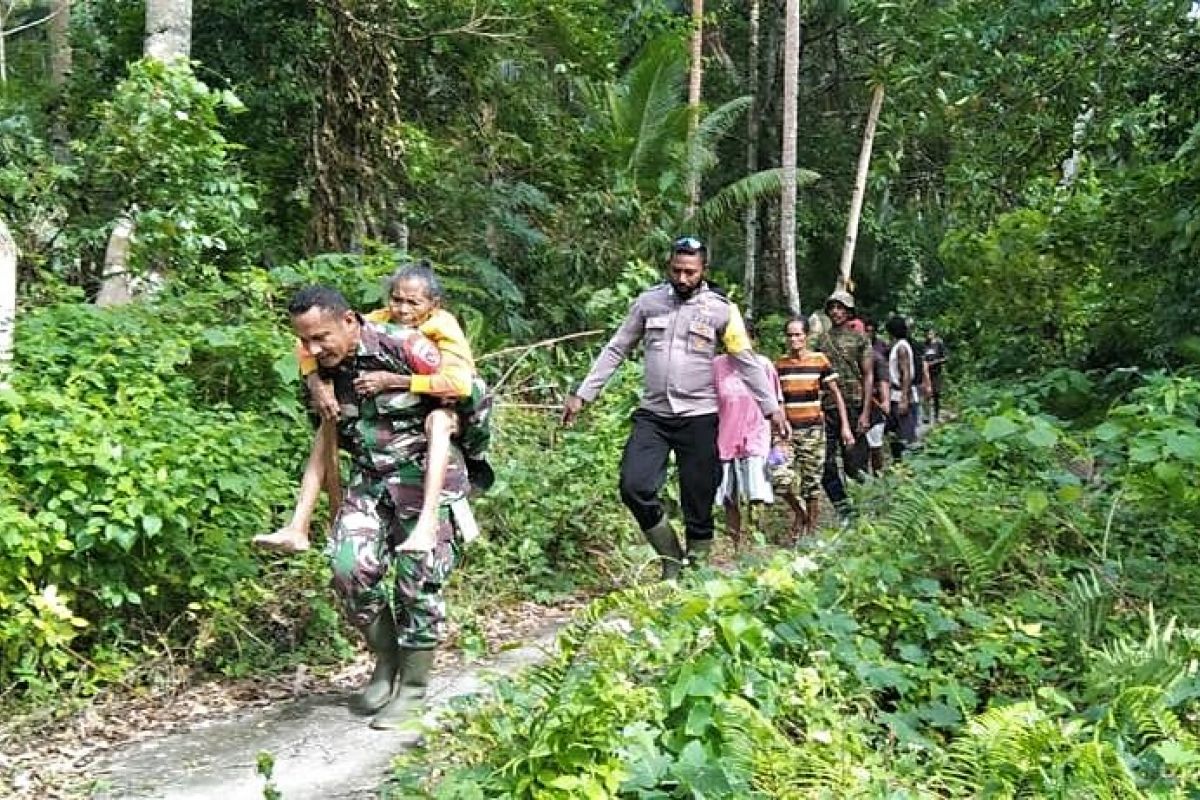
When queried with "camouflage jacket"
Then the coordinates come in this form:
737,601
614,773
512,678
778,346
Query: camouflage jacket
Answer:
385,432
847,349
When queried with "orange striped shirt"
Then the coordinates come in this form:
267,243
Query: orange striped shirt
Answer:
803,380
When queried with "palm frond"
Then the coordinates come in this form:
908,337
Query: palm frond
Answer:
710,129
650,112
741,193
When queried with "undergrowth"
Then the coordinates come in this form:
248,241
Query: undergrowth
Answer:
1014,616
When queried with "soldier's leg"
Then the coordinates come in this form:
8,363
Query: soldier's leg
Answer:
418,581
643,473
359,557
644,469
695,445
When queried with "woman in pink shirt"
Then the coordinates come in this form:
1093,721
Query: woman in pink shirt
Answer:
743,443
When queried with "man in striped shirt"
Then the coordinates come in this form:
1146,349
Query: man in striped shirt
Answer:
806,377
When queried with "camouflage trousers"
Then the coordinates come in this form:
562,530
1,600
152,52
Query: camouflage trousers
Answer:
800,474
377,513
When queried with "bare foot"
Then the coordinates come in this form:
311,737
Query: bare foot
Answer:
284,540
423,537
735,536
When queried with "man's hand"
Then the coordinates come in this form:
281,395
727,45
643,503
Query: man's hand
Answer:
779,423
369,384
324,402
847,436
571,408
864,420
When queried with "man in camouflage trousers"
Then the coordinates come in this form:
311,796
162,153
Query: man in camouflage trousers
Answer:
850,352
381,426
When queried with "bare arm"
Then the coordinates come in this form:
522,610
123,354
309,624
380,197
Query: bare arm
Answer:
840,402
906,379
867,365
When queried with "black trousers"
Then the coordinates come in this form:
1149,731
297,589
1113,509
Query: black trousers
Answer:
854,458
644,469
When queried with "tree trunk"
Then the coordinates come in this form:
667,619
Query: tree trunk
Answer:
8,301
59,35
787,209
860,190
695,79
168,29
116,286
750,219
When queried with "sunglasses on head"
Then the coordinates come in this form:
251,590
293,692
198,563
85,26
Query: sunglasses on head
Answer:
688,246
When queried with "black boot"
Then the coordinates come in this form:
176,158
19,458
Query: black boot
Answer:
381,638
411,686
698,551
665,543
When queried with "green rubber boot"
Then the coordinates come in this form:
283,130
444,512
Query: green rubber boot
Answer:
664,542
381,638
410,690
698,551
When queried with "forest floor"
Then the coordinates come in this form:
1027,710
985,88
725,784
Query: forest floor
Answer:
202,740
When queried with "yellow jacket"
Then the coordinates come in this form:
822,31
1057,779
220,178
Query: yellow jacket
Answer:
453,378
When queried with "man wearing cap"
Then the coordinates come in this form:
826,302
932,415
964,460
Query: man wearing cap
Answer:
681,323
853,359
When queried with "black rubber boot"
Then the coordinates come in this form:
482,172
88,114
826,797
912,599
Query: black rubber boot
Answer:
409,695
698,551
665,543
381,638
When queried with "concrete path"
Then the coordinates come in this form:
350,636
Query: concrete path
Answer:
321,750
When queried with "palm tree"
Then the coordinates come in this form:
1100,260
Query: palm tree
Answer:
651,150
168,29
695,78
750,218
8,300
787,210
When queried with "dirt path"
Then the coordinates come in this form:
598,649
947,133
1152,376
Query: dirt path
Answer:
201,740
322,751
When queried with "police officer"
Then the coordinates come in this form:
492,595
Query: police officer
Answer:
681,323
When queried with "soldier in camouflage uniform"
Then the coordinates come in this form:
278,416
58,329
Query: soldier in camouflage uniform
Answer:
850,352
382,427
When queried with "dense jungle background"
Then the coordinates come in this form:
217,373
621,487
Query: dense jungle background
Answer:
1014,614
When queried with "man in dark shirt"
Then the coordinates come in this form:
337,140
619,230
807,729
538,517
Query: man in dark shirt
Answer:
934,356
853,359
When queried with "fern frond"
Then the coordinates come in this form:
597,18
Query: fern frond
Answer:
1086,610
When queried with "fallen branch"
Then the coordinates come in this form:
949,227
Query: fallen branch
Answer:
529,348
543,343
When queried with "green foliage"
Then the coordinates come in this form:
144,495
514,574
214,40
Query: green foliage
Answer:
964,641
158,153
141,450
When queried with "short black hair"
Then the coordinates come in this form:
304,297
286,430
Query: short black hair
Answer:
689,246
804,324
897,328
325,298
421,271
